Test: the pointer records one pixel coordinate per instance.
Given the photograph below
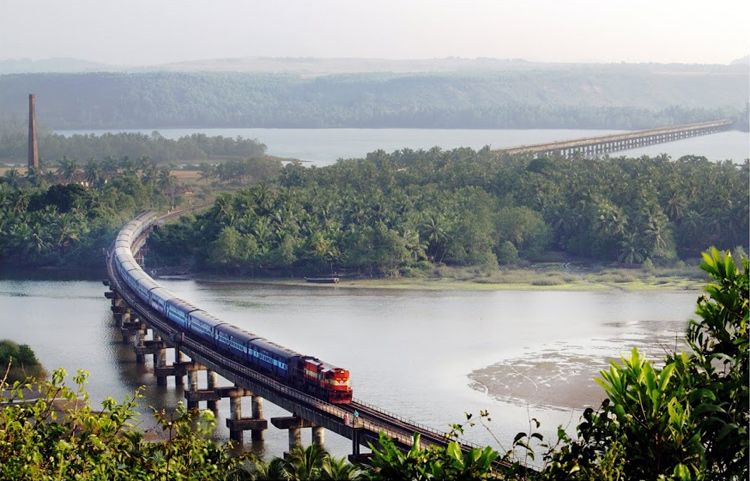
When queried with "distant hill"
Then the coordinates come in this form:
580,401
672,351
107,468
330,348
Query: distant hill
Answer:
322,93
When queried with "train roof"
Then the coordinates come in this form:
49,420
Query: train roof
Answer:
205,317
183,305
237,331
276,349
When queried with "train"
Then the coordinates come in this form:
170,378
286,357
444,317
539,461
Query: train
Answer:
302,372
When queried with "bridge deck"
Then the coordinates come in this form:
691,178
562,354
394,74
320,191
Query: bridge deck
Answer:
612,143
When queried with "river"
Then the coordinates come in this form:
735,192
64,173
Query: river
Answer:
428,356
322,147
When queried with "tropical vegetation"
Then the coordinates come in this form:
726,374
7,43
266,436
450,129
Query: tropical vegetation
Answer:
159,149
70,215
408,212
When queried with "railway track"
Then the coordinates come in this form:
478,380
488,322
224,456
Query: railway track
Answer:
371,418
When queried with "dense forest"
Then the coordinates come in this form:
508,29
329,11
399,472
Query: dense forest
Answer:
595,97
195,147
401,214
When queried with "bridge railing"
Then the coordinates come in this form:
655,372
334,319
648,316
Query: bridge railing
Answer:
404,435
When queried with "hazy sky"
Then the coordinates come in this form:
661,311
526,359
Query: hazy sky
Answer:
142,32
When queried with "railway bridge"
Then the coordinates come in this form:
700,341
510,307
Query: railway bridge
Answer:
152,334
614,143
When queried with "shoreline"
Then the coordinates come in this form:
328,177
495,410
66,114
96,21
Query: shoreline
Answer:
519,279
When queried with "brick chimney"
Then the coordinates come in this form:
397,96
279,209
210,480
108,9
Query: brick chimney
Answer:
33,149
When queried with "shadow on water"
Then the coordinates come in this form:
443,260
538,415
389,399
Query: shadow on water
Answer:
82,274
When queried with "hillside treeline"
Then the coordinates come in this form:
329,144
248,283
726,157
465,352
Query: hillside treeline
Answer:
606,97
408,211
195,147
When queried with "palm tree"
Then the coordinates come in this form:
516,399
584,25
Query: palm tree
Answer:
67,169
339,469
305,464
167,183
93,172
13,177
275,470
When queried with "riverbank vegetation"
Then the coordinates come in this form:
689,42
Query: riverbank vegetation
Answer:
685,418
115,146
18,362
69,216
411,213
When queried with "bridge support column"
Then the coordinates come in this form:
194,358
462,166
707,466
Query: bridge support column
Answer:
235,414
236,423
126,326
160,360
295,439
155,337
179,358
140,357
193,388
257,434
319,436
294,424
117,308
211,380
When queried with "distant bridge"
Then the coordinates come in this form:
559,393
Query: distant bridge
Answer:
614,143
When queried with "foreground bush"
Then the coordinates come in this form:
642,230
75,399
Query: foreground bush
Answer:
685,421
59,437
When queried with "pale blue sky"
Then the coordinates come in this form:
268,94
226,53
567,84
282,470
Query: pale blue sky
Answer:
143,32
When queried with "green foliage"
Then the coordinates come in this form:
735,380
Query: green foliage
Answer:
388,213
450,463
130,144
687,420
18,362
310,463
49,219
60,436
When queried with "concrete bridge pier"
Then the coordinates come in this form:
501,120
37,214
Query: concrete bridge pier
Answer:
319,436
211,378
160,361
257,434
192,388
179,358
294,425
140,342
237,424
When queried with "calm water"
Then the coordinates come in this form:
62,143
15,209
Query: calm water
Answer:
324,146
410,352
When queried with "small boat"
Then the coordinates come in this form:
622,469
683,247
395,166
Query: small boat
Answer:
322,280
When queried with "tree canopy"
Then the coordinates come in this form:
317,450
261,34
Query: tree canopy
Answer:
389,214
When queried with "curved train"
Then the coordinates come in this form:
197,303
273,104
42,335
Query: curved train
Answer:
300,371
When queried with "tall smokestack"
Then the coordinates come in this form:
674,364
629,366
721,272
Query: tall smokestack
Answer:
33,149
